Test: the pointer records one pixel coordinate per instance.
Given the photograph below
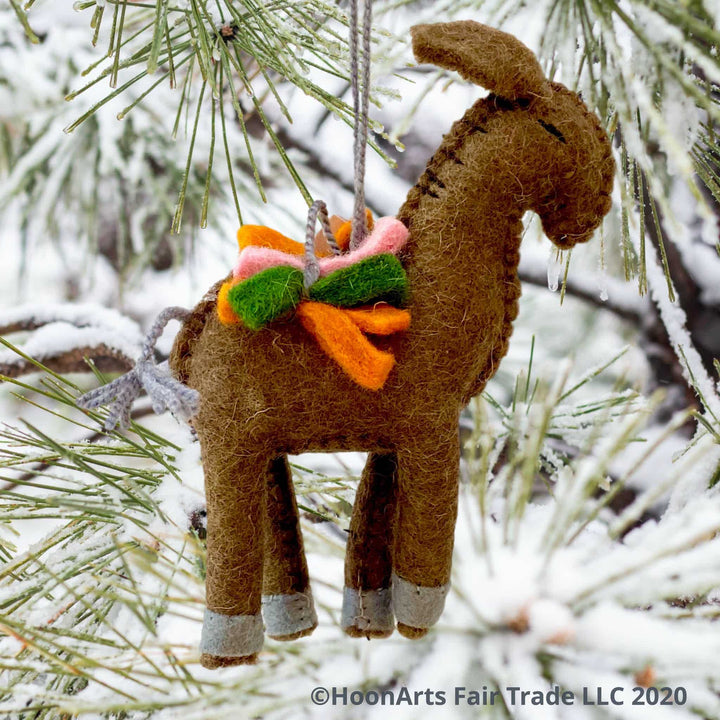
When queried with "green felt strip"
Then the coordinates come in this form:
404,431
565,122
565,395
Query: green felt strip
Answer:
276,291
267,296
379,277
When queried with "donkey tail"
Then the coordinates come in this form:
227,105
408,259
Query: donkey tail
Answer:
165,392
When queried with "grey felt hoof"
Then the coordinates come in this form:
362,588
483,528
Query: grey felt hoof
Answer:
416,606
367,613
231,636
288,617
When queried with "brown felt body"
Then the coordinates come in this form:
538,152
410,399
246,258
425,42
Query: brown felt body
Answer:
285,569
368,563
461,260
273,392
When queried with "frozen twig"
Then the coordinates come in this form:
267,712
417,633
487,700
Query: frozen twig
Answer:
105,358
34,315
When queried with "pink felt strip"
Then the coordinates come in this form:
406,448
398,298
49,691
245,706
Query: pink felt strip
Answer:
388,236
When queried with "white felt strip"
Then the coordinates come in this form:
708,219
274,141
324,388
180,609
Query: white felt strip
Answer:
415,605
231,635
288,614
368,610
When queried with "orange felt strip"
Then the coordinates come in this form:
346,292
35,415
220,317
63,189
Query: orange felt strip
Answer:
262,236
224,309
322,249
342,234
380,319
342,340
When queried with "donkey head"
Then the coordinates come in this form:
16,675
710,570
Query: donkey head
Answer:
568,168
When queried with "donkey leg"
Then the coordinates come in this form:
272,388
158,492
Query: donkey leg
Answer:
235,487
367,603
287,602
428,474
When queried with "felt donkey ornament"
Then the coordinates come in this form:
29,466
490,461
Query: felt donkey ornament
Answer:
436,289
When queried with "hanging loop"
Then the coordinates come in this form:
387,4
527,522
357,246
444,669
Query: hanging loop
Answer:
317,211
360,106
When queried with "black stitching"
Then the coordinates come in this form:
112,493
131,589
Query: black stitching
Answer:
452,155
425,190
553,131
471,125
432,177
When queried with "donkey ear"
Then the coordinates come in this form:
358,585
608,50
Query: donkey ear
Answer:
483,55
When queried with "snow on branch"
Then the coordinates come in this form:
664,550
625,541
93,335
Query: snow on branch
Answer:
675,321
106,359
62,336
34,316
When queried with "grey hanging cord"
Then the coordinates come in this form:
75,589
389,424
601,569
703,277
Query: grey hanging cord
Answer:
360,106
165,392
317,211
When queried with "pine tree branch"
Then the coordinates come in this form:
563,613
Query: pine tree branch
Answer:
106,359
664,360
63,335
28,476
22,17
79,315
317,163
533,275
702,318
